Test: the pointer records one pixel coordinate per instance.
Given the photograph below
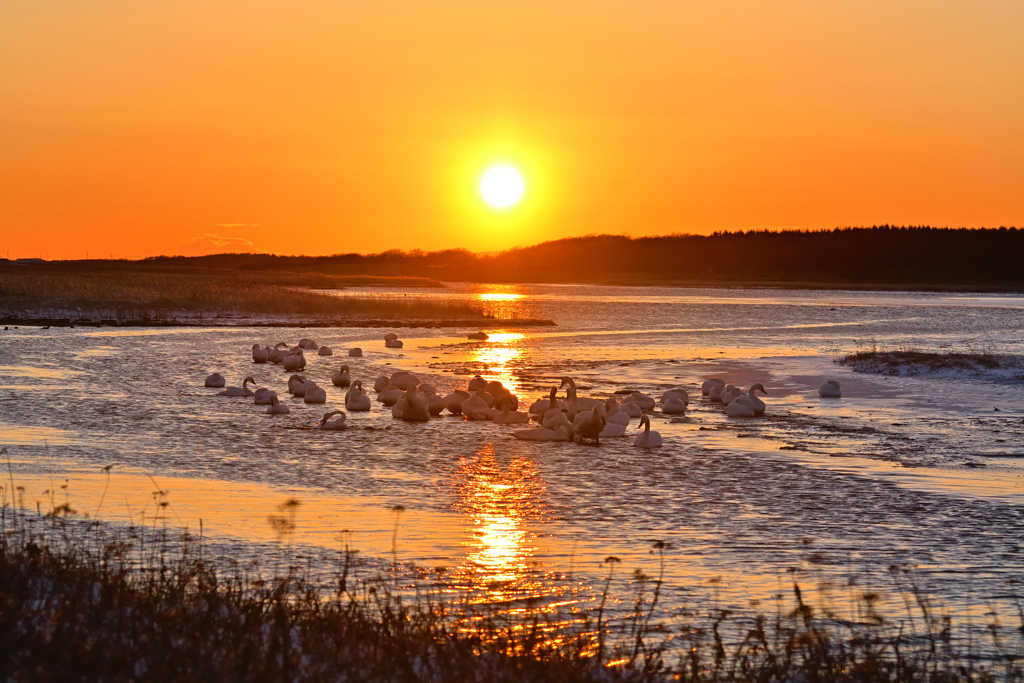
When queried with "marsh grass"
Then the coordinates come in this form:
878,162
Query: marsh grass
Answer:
909,359
84,600
147,294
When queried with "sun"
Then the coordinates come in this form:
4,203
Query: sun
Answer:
502,186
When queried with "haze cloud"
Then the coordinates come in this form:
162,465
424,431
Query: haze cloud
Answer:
214,243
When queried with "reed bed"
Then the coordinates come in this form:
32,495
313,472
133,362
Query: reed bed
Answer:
146,295
912,360
83,600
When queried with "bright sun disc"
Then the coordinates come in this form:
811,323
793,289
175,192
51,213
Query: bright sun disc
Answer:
502,186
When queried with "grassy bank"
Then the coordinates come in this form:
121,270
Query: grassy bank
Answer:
86,601
125,294
908,360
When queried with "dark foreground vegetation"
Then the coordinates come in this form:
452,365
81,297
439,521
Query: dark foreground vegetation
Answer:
129,292
909,360
84,601
886,256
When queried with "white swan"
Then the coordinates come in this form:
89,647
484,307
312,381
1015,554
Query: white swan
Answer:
740,407
643,400
264,397
613,414
307,344
630,408
314,394
402,379
582,402
381,383
509,417
830,389
648,439
327,423
356,352
591,426
482,336
453,401
390,395
325,351
435,404
215,381
679,393
260,354
294,361
426,388
613,429
759,405
394,344
238,391
715,392
674,405
390,336
553,417
414,406
297,385
277,408
341,378
477,383
356,399
476,408
278,353
730,393
705,389
561,433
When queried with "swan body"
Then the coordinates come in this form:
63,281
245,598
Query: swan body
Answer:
239,391
583,403
740,407
435,403
264,397
673,406
679,393
477,383
403,379
591,426
325,351
381,383
356,352
482,336
643,400
715,392
631,409
414,406
390,395
426,388
730,393
314,394
307,344
390,336
260,354
555,417
561,433
759,406
394,344
453,401
613,429
509,417
356,399
277,408
297,385
215,381
830,389
705,388
340,378
476,408
293,362
648,439
277,353
613,415
327,423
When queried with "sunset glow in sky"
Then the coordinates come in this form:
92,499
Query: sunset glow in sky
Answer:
318,127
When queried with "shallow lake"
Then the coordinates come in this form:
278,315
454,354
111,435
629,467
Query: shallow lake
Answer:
921,471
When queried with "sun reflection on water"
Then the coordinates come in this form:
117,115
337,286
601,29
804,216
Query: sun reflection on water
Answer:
501,499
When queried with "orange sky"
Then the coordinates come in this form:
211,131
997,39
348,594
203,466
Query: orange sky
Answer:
325,126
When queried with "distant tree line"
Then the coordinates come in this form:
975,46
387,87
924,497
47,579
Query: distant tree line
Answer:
879,255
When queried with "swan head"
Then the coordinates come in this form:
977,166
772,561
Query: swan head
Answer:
567,380
758,387
331,414
247,380
644,422
281,345
343,368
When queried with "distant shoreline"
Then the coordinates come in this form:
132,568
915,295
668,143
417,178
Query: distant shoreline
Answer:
476,323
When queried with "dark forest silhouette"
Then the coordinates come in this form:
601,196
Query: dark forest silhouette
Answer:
877,256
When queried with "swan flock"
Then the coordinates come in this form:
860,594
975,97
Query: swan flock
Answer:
573,418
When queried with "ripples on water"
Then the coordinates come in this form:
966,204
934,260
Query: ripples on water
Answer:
900,470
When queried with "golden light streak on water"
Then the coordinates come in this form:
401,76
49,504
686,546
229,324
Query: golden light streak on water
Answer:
498,354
